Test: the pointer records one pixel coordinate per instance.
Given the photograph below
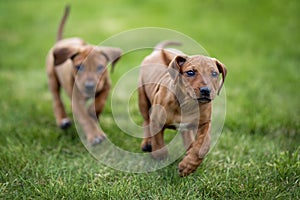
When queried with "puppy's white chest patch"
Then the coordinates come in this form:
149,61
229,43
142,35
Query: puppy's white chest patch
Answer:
182,126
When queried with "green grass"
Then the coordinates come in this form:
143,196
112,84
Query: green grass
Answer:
256,157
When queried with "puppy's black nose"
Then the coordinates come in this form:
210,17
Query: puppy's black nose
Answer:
89,85
205,91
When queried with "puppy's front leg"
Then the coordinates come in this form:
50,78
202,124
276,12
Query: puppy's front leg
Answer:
97,106
188,137
196,152
201,144
90,127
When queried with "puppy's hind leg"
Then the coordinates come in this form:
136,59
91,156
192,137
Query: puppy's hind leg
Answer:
144,107
59,110
146,143
157,119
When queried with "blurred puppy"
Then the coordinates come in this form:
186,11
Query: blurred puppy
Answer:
81,70
175,91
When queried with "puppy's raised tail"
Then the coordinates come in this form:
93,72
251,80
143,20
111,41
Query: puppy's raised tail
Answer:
62,23
166,43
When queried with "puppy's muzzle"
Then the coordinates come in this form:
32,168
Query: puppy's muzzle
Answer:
204,94
89,87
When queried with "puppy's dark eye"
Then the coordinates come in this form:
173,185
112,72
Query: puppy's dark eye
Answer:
79,67
190,73
214,74
100,68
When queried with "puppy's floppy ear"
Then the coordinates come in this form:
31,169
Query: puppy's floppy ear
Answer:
112,54
61,54
222,69
174,67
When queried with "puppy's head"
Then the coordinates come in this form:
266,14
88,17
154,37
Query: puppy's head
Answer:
89,65
199,75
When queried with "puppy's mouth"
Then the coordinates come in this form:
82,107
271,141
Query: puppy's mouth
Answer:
89,93
204,99
201,98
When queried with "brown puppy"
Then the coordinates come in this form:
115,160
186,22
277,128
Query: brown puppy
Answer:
80,69
175,91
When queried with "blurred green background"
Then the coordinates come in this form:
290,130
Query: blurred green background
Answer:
258,41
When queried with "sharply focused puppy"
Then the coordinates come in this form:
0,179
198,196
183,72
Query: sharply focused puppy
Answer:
175,91
80,69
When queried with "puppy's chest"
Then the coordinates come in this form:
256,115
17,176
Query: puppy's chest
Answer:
181,126
181,123
183,119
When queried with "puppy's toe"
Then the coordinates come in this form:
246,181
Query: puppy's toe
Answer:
185,170
188,166
97,140
146,145
65,123
147,148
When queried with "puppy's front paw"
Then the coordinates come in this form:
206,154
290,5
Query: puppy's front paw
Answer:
188,165
65,123
160,154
